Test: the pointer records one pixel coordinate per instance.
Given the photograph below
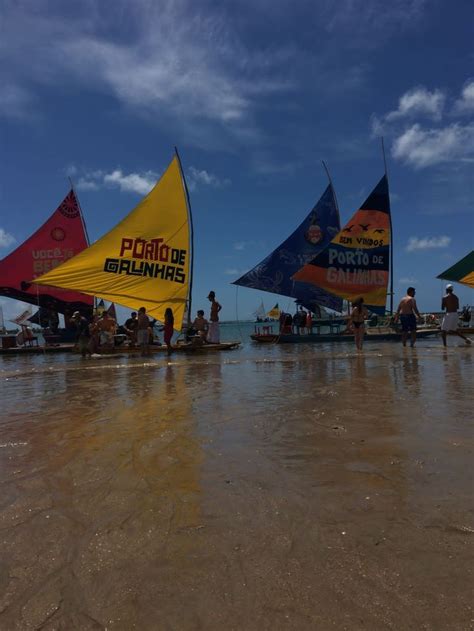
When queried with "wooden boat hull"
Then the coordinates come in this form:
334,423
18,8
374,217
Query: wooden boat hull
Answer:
117,350
292,338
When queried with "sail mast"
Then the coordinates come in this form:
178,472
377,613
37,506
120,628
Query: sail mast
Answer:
332,189
81,214
84,227
391,229
191,237
339,219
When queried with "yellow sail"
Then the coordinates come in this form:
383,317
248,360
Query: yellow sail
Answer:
275,312
145,260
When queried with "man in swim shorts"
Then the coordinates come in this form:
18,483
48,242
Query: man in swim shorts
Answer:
450,304
408,313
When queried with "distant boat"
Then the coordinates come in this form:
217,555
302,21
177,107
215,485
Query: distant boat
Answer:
274,313
260,314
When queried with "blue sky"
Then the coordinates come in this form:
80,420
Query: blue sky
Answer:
255,95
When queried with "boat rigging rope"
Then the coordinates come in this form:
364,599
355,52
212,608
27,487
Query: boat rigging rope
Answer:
237,312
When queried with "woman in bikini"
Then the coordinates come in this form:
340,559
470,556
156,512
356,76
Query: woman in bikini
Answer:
358,315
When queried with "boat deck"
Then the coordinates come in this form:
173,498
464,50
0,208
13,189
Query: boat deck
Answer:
378,334
68,348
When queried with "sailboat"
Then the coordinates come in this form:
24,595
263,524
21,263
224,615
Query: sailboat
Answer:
274,273
274,312
144,261
61,237
260,314
356,263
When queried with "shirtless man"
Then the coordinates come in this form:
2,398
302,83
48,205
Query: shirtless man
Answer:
450,304
201,325
408,312
213,336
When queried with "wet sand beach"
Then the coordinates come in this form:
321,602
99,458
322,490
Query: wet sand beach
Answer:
277,487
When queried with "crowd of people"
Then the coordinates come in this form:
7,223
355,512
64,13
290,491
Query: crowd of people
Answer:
100,333
407,318
408,315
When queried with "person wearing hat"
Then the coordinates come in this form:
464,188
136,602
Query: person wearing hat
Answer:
213,336
83,336
450,304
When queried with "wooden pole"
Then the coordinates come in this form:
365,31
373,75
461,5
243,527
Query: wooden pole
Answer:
391,230
191,238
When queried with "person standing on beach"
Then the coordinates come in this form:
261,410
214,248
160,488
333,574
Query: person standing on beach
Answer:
358,316
213,336
450,304
168,329
131,328
408,313
83,334
143,332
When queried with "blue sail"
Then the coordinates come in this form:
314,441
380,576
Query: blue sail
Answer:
314,234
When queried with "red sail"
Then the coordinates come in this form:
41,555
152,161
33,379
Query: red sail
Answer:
61,237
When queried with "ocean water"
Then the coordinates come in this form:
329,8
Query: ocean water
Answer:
273,486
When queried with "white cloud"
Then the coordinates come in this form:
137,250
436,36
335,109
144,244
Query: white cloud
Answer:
427,243
71,170
426,147
234,272
179,62
140,183
242,245
15,101
197,178
408,280
87,184
419,101
465,105
6,239
361,17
